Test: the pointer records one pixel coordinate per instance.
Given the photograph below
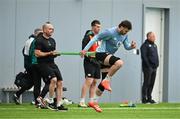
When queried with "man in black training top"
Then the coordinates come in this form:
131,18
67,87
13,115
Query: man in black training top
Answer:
45,47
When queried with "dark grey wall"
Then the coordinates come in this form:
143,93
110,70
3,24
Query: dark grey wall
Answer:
71,18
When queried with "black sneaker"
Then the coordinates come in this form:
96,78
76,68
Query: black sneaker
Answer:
51,106
62,108
151,101
55,101
144,101
16,99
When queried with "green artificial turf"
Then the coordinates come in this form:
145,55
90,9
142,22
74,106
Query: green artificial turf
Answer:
110,111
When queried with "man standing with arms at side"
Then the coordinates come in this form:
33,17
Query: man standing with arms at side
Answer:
45,52
150,63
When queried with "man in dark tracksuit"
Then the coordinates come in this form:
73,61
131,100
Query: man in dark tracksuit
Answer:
30,66
150,62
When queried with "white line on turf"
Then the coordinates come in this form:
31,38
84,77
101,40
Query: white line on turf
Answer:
133,108
110,108
13,108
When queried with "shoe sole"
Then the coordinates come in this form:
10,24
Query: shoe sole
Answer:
51,108
95,108
82,106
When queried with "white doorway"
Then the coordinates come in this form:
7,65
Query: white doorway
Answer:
154,21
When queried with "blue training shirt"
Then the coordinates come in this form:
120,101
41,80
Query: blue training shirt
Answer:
111,41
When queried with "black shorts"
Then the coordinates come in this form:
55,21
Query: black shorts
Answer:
101,56
49,71
92,69
104,66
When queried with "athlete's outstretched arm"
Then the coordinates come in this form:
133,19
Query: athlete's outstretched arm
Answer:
128,45
101,36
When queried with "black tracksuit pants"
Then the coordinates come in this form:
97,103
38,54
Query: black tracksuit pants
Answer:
148,84
34,80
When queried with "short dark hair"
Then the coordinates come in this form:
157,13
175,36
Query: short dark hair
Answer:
126,24
94,22
48,22
37,30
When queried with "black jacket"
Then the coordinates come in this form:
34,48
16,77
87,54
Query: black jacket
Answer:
149,55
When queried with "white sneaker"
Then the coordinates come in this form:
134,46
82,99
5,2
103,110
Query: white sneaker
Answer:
82,104
66,101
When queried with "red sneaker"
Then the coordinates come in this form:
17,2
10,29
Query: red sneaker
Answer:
95,106
106,84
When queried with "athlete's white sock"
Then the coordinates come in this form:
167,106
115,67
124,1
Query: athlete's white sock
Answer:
51,100
82,100
108,77
91,99
96,98
59,103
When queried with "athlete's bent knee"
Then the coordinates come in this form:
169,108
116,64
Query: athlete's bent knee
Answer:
119,63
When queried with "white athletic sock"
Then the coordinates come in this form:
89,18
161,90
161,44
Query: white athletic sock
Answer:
51,100
82,100
59,103
108,77
91,99
96,98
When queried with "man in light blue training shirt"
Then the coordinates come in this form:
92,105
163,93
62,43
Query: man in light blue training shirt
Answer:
111,40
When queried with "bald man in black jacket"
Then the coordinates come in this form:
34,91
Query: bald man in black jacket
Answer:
150,63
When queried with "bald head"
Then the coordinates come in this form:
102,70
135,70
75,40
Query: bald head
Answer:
48,29
151,36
